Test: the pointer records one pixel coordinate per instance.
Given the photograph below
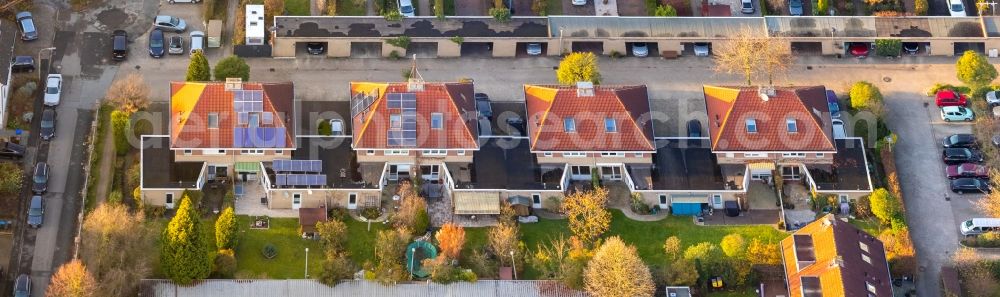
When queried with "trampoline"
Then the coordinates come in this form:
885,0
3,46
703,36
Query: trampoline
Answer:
417,252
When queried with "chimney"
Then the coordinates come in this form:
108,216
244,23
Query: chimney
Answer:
234,83
585,89
766,93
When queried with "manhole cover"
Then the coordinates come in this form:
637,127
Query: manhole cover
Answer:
887,79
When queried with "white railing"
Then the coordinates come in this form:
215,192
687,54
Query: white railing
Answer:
628,179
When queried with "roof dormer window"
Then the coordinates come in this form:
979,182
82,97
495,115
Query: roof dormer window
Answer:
751,125
792,126
569,124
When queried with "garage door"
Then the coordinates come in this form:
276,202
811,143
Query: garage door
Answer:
685,208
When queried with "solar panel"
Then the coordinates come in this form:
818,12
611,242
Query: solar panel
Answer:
291,180
248,100
259,137
297,166
406,134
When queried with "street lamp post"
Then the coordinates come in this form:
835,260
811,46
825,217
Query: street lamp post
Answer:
50,49
512,265
413,254
307,262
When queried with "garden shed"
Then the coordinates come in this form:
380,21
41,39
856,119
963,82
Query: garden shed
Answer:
308,218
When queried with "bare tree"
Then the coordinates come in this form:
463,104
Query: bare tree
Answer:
116,249
750,53
129,93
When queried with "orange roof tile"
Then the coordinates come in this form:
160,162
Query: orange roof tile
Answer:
729,109
454,101
548,106
192,102
839,265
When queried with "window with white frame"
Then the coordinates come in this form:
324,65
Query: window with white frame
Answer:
437,120
793,155
792,126
755,155
461,152
395,121
871,288
752,125
569,124
371,152
638,155
863,246
610,126
188,152
866,258
612,155
547,154
820,155
279,152
397,152
435,152
574,155
252,152
213,152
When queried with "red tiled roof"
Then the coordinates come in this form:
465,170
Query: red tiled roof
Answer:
454,101
548,106
729,108
191,103
838,264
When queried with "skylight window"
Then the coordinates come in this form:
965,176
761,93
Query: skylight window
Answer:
437,121
569,125
213,120
610,126
792,126
395,121
752,125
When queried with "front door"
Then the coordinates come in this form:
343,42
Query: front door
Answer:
296,200
611,172
716,201
352,201
536,200
663,201
791,172
170,201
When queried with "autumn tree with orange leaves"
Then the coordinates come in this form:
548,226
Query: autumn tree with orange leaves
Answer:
587,217
72,280
450,239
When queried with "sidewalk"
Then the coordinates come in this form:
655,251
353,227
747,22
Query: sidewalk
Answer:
107,160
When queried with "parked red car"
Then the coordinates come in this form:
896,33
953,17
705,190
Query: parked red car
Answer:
967,170
859,49
949,98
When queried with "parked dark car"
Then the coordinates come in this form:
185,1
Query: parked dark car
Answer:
967,170
315,48
48,126
11,150
694,128
960,140
483,105
156,47
27,24
833,103
954,156
119,45
22,64
970,185
36,212
40,179
22,286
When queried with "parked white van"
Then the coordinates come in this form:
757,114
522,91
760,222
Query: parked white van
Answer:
978,226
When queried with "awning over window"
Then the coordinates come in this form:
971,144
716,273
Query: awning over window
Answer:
249,167
472,203
762,166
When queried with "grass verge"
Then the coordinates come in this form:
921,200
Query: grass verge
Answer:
347,8
647,237
103,125
297,7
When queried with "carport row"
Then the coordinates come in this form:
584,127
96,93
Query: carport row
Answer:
465,36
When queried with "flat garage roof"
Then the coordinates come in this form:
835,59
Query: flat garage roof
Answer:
376,26
611,26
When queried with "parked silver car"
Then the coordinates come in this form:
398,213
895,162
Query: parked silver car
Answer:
169,23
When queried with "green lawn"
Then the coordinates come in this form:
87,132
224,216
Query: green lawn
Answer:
449,7
361,242
648,237
554,7
749,292
869,225
297,7
347,7
283,234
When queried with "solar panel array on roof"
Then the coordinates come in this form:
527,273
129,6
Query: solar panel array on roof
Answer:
361,101
297,165
259,137
248,100
292,180
403,133
804,250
